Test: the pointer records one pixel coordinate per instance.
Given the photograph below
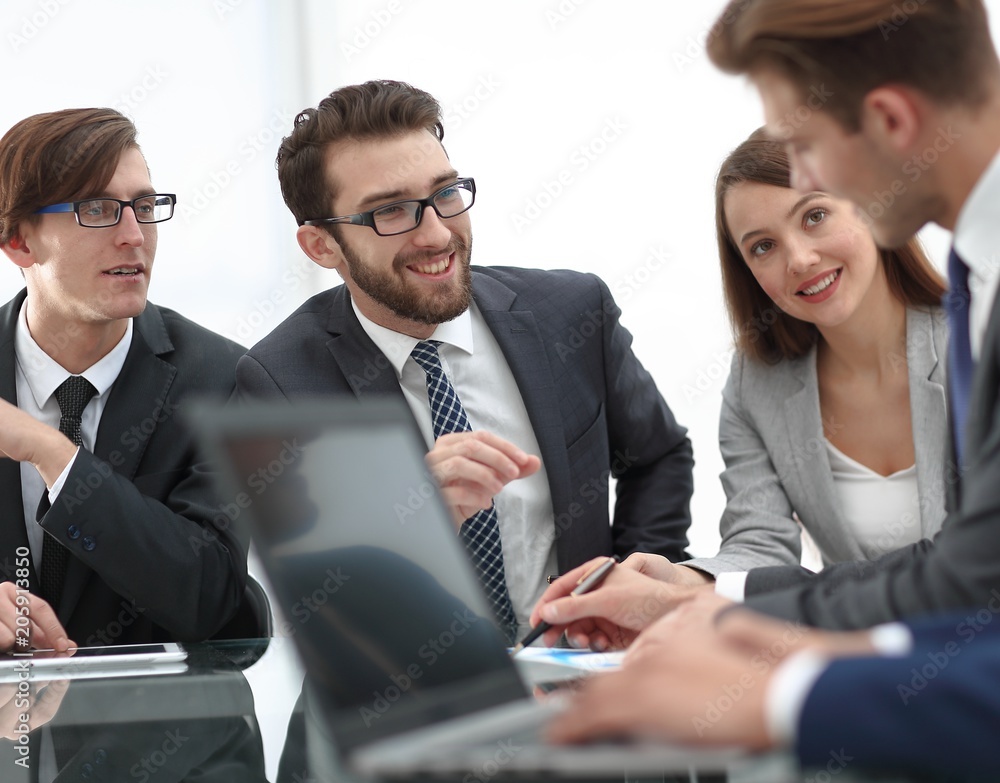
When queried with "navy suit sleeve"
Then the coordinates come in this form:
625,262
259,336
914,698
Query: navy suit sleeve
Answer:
934,710
651,455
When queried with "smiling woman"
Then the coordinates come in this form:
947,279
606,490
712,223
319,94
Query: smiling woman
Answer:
834,413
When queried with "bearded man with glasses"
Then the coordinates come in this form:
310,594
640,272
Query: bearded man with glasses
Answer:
522,381
109,530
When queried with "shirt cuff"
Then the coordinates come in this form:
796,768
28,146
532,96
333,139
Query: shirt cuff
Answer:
732,585
787,693
58,484
892,639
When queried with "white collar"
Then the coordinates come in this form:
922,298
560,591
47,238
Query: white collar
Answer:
397,347
44,374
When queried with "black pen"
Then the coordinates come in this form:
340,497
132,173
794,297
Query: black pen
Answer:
587,582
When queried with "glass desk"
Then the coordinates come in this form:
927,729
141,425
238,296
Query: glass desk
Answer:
233,716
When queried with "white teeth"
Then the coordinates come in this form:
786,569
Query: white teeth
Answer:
433,269
821,285
122,271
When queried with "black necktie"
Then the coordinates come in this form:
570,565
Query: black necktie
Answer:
480,532
960,364
72,396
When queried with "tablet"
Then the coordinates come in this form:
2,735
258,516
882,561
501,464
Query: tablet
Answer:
123,660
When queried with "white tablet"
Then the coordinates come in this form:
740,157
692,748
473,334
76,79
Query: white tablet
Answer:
124,660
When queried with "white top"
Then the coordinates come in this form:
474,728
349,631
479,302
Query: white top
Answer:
882,512
492,401
37,376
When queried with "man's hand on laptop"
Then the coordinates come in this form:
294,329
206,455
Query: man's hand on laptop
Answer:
611,616
661,692
472,467
27,622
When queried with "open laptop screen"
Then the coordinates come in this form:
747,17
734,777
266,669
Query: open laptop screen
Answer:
383,604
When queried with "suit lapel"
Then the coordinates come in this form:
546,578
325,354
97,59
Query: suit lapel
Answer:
136,404
924,337
364,366
12,527
519,338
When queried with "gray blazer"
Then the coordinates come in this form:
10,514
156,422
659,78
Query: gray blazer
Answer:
771,438
958,570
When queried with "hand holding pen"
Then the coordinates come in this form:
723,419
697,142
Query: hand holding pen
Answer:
589,581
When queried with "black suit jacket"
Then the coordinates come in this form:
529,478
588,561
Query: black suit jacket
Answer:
154,556
958,569
594,409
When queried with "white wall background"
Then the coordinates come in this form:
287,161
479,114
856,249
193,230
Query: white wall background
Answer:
594,130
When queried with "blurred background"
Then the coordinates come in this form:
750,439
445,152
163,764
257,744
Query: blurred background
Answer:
594,131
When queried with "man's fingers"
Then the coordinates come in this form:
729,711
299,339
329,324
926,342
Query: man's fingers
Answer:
599,710
46,630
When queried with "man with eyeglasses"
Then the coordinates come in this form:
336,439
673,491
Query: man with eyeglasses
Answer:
109,533
522,381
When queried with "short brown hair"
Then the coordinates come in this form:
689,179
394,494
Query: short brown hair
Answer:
849,47
58,156
373,110
761,329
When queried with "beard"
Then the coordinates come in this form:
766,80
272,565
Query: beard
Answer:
393,291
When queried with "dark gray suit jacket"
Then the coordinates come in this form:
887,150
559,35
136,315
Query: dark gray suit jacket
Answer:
154,558
958,569
594,409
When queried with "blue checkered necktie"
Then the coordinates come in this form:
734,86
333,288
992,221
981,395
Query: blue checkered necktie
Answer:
72,395
960,364
480,532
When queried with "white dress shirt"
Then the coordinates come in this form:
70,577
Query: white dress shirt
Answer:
37,376
478,370
975,242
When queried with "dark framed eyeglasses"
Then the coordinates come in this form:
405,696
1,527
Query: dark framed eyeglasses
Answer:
398,217
105,212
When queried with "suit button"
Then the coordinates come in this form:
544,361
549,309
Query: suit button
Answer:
101,756
89,544
86,771
73,532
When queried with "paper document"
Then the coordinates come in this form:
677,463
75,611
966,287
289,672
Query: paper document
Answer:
546,664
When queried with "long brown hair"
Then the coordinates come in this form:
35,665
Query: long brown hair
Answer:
761,329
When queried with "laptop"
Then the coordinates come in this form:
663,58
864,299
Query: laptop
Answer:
405,668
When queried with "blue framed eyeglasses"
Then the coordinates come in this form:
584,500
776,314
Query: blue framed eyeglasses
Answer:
105,212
